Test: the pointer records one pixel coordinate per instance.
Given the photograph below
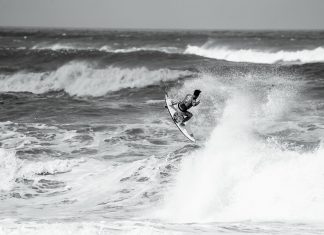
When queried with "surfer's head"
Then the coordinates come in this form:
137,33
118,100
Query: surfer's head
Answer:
196,93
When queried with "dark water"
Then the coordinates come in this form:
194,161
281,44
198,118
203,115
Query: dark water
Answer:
86,144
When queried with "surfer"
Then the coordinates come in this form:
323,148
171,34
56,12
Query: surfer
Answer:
189,101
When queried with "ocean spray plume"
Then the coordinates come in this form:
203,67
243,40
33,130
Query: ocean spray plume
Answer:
274,95
81,79
240,175
258,56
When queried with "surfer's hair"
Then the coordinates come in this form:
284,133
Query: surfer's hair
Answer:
197,92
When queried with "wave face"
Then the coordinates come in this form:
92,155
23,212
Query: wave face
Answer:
81,79
258,56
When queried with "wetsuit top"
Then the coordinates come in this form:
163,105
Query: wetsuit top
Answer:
187,103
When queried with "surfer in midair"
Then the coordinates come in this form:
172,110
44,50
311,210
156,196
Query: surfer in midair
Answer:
189,101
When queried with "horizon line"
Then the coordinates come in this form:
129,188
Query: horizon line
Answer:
155,29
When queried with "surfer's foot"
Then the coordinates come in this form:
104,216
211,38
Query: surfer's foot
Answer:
182,124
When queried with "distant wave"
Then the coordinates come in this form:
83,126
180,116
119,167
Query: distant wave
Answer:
260,56
106,48
81,79
54,47
257,56
135,49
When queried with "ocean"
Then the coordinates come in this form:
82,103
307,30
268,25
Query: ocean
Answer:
87,146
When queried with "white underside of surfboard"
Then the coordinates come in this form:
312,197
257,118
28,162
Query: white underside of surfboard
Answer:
172,110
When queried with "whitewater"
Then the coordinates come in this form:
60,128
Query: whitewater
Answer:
255,56
87,147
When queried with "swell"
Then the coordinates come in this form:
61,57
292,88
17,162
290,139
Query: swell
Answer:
14,60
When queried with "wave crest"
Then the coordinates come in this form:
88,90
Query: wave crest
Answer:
256,56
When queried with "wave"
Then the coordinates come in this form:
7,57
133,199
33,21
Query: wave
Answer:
81,79
106,48
257,56
55,47
168,50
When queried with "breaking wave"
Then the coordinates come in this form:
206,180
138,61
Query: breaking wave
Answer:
81,79
256,56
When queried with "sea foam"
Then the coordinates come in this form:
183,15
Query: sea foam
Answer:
8,167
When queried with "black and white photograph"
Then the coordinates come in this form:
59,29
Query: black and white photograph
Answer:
161,117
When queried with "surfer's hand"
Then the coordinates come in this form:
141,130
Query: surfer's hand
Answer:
197,102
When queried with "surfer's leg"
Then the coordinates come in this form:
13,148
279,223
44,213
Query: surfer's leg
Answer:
188,115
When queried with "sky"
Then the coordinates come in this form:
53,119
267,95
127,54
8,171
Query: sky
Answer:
165,14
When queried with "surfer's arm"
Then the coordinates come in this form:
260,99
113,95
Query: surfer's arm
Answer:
195,102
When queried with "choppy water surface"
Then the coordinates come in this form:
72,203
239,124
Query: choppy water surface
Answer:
87,147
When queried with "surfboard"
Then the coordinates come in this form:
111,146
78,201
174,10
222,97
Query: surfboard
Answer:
175,115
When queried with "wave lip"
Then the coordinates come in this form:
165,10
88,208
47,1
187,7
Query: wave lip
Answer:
257,56
81,79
